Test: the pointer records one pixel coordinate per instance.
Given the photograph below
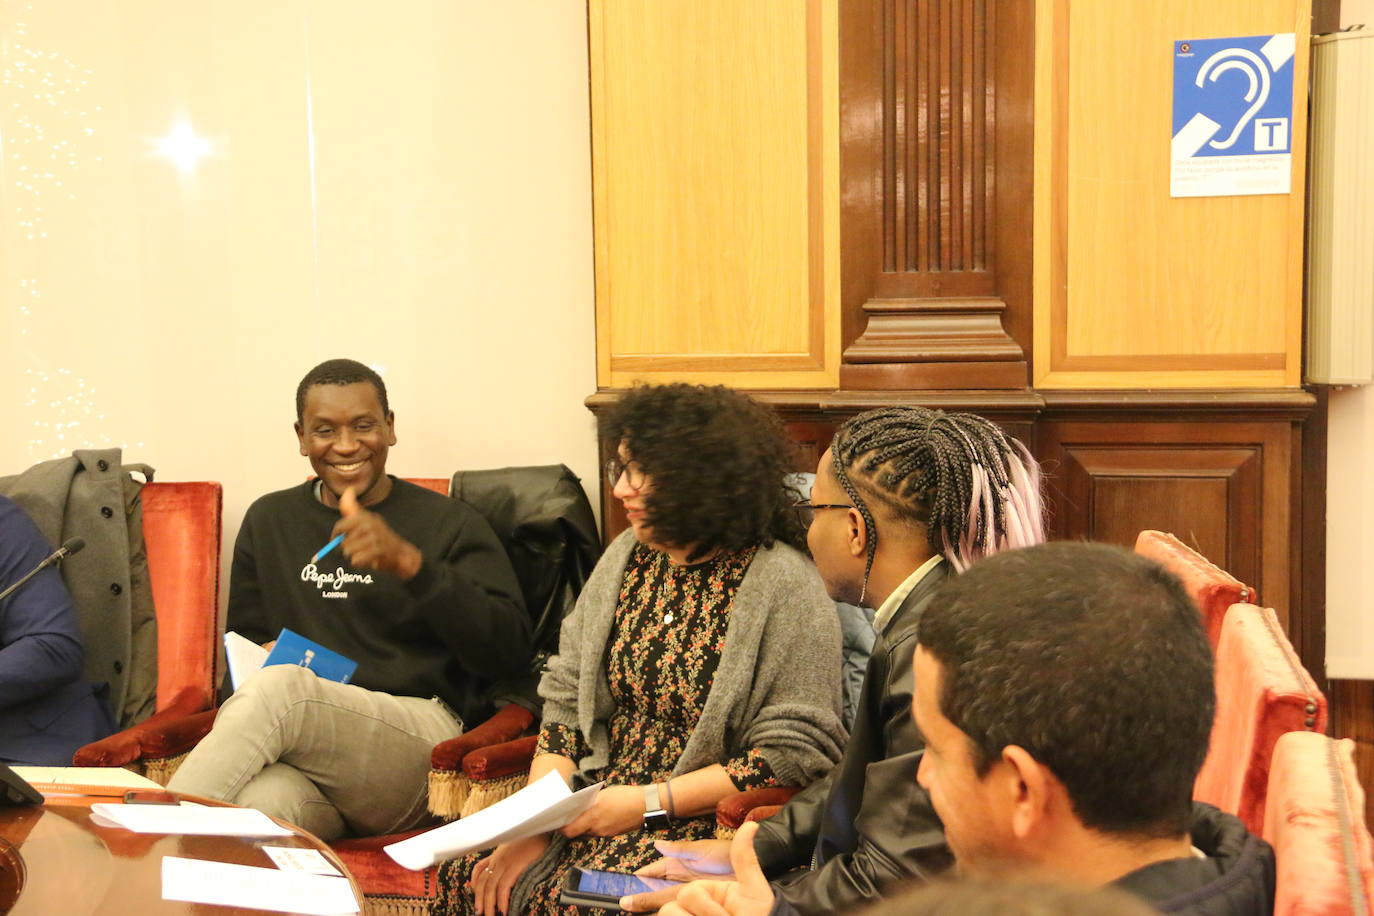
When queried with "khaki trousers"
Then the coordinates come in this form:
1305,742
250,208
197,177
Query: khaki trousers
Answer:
333,758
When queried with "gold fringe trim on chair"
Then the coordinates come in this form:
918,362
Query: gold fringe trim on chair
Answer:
490,791
448,793
395,906
724,833
161,769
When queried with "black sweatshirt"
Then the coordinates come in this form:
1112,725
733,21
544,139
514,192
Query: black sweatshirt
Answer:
455,628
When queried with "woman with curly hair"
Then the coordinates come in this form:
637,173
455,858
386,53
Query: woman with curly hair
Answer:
703,655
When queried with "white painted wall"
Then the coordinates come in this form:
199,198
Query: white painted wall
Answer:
406,184
1355,12
1350,534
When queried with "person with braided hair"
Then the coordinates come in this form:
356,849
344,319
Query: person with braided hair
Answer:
904,498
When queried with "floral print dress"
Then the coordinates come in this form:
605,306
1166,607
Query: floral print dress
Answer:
665,644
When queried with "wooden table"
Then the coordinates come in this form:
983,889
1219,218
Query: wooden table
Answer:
53,860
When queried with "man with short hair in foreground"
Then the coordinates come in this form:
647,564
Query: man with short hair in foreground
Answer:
1065,695
420,593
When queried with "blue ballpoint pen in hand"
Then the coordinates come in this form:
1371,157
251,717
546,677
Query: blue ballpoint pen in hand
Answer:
324,551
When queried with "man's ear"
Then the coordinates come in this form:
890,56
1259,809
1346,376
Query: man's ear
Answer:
391,427
856,533
1031,790
300,438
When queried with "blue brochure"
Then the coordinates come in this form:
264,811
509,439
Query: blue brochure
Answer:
294,649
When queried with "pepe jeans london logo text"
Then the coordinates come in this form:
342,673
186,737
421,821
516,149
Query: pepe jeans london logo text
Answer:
334,581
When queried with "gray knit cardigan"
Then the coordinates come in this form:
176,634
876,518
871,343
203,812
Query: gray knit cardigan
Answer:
777,687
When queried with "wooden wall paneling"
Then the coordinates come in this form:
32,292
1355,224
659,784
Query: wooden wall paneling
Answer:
1224,488
935,100
1209,497
1351,705
715,191
1135,288
1015,161
862,155
1326,16
1308,540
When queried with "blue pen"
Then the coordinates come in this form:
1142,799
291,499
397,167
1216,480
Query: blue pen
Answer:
323,551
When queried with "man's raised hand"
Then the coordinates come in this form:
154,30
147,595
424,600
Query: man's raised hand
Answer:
370,542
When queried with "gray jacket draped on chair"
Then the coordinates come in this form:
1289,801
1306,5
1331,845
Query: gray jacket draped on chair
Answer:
92,495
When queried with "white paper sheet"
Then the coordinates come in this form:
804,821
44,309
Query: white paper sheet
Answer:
245,657
189,820
86,776
546,805
298,858
198,881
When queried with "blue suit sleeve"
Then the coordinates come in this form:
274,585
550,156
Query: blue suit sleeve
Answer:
40,642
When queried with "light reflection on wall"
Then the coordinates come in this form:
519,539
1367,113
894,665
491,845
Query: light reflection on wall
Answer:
183,147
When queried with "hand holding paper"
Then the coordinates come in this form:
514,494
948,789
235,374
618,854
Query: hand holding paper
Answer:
225,884
545,805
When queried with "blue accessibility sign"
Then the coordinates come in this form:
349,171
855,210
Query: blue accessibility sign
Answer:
1233,102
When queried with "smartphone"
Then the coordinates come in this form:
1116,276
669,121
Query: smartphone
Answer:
603,889
150,797
15,791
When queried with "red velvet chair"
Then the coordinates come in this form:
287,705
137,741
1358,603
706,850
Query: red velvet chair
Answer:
1262,693
732,811
1315,821
181,531
1212,589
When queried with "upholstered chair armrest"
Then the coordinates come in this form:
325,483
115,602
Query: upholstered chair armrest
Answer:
734,810
174,737
121,749
500,761
450,788
496,772
508,723
127,748
762,813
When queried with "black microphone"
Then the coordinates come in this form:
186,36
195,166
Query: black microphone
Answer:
69,547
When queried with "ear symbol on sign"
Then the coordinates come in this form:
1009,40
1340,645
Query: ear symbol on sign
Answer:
1253,66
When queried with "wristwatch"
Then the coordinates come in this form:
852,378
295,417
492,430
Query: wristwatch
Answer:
655,818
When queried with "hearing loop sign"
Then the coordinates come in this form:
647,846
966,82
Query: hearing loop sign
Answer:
1233,116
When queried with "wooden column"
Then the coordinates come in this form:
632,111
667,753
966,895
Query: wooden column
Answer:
935,108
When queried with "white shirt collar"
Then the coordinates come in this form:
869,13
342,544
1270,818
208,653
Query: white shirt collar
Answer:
899,594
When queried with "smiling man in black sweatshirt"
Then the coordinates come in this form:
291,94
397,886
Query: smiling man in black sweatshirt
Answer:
419,593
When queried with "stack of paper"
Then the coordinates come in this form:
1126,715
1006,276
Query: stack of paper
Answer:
197,881
75,778
186,819
541,807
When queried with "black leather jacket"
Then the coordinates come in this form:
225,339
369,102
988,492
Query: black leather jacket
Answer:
867,824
